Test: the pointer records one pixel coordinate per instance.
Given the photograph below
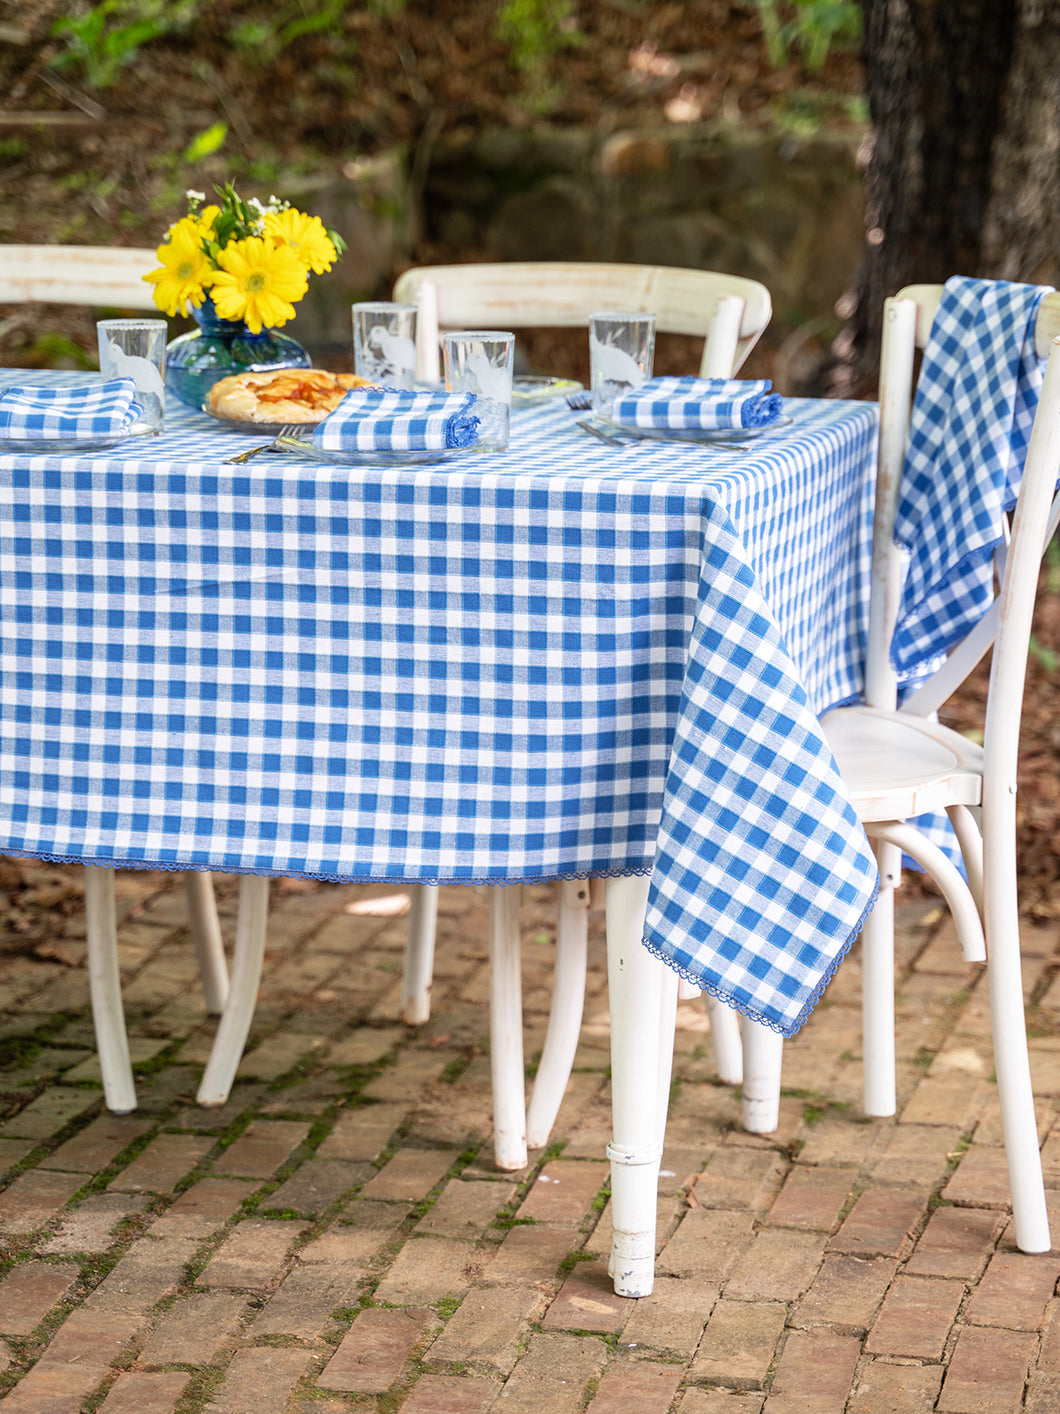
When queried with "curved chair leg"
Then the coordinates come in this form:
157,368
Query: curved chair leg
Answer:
104,981
1011,1061
419,955
247,962
728,1046
565,1017
763,1052
954,890
506,1029
206,931
971,842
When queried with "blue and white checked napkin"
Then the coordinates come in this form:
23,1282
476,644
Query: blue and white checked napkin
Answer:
93,411
975,401
393,420
706,404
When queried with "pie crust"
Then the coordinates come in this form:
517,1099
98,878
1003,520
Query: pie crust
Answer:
289,395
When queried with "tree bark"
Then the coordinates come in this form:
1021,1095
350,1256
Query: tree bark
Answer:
964,179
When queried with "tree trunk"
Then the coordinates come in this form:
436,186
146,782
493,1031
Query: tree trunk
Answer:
964,97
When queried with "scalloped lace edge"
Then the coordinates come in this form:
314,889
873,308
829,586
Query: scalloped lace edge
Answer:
743,1008
185,867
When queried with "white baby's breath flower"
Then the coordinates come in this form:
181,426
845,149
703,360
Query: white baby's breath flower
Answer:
195,195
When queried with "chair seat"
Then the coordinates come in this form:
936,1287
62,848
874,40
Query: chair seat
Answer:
897,766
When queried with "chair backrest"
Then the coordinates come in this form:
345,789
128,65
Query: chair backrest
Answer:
1007,623
729,312
107,277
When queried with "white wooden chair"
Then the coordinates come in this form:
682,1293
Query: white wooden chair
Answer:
111,278
900,763
105,277
730,314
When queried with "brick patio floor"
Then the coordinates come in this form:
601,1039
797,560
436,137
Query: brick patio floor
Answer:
336,1238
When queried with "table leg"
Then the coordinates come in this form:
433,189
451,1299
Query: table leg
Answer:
643,1001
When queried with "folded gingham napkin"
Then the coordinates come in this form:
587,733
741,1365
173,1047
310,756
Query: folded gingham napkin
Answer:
392,420
95,410
705,404
979,385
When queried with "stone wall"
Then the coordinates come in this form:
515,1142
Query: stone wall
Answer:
783,210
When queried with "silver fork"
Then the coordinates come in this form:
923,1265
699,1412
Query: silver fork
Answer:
276,445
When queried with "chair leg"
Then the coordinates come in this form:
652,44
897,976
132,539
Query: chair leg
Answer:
419,955
643,994
1011,1061
728,1046
565,1017
763,1053
206,931
104,982
877,989
247,960
506,1029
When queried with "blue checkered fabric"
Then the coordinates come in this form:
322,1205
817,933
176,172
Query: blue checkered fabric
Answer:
554,662
972,414
705,404
392,420
93,410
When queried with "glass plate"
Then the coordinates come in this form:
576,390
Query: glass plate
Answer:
38,446
538,389
256,429
303,447
736,435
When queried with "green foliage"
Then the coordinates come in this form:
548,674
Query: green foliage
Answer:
1045,657
107,37
206,143
814,27
263,39
534,31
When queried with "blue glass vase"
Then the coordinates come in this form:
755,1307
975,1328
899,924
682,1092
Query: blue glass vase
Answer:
199,359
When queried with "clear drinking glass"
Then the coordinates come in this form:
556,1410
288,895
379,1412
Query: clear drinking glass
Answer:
480,361
384,343
621,354
136,349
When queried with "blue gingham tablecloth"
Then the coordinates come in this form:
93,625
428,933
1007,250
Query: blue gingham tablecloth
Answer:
561,661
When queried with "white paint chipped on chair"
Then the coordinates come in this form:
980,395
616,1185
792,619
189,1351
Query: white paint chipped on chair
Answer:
898,763
730,313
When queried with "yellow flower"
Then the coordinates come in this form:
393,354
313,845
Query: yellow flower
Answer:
256,282
305,235
203,221
185,271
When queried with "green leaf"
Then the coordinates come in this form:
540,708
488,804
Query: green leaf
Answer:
206,142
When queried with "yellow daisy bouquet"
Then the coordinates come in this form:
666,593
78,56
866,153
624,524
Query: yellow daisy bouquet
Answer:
252,259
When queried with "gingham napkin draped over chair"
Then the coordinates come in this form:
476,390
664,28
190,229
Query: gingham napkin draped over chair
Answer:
96,410
979,386
976,396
